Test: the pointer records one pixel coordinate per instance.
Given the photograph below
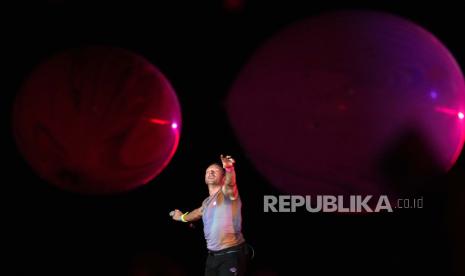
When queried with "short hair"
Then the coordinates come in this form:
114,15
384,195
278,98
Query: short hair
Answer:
219,166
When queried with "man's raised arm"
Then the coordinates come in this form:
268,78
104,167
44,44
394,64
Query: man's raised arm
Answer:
229,186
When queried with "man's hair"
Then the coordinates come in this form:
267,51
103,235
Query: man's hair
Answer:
219,166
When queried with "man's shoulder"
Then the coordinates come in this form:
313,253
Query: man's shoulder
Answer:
208,198
205,201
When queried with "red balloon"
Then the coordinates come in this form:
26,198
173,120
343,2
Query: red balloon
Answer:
97,120
322,101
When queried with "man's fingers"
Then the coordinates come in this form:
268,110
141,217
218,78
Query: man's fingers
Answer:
172,213
227,158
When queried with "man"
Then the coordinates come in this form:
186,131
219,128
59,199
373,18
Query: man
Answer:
221,215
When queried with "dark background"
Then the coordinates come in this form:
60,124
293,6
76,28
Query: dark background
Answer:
201,47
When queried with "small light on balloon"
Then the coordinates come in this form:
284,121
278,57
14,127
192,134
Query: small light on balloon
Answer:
174,126
461,115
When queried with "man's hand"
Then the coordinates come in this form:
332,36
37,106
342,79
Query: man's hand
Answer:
196,214
176,214
227,161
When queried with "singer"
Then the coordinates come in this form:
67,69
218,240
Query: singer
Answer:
222,220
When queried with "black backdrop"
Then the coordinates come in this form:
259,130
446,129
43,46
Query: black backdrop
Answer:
201,47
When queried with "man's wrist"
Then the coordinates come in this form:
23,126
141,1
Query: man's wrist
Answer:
183,215
229,168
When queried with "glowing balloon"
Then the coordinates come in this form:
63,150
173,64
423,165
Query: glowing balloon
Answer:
324,100
97,120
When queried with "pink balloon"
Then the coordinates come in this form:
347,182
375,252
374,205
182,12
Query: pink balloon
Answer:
324,100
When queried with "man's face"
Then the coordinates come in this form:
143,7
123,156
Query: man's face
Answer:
213,175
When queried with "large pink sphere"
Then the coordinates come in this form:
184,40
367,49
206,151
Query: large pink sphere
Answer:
97,120
325,99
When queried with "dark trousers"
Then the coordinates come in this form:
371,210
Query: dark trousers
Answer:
228,261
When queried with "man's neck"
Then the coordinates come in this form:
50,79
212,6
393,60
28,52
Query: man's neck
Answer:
213,189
